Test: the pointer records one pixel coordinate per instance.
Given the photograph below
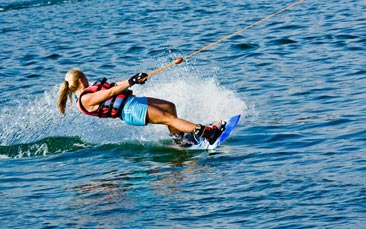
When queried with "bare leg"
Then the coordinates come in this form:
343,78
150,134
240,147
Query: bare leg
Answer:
164,112
163,105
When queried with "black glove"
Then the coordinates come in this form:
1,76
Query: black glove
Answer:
139,78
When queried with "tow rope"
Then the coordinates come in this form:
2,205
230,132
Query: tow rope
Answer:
180,59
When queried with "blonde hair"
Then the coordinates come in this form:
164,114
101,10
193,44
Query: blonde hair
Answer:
69,86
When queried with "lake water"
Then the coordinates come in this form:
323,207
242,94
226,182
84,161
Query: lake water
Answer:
296,160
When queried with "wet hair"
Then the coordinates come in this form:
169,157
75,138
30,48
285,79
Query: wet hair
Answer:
69,86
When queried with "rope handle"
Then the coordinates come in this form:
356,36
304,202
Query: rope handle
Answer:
176,61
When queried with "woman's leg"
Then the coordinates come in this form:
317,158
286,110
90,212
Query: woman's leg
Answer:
164,112
163,105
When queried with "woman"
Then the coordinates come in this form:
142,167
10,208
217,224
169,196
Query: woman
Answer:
115,100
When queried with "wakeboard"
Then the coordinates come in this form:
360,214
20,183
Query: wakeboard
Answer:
200,143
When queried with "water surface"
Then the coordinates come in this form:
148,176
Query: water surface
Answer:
296,160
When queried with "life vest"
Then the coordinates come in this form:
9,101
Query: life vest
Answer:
110,108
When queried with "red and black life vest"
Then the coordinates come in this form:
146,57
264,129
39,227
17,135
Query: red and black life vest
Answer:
111,108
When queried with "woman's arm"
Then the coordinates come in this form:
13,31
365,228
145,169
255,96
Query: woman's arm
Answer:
91,100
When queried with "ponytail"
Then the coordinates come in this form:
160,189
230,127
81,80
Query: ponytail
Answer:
69,86
63,94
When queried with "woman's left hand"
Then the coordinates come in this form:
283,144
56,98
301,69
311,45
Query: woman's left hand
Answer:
139,78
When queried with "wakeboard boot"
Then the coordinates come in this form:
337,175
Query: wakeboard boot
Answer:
181,139
210,132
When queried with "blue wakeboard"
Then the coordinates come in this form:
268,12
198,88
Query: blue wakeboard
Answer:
201,143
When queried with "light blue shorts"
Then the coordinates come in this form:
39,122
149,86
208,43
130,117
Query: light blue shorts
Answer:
135,110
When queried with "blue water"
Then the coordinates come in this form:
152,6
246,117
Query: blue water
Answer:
296,160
